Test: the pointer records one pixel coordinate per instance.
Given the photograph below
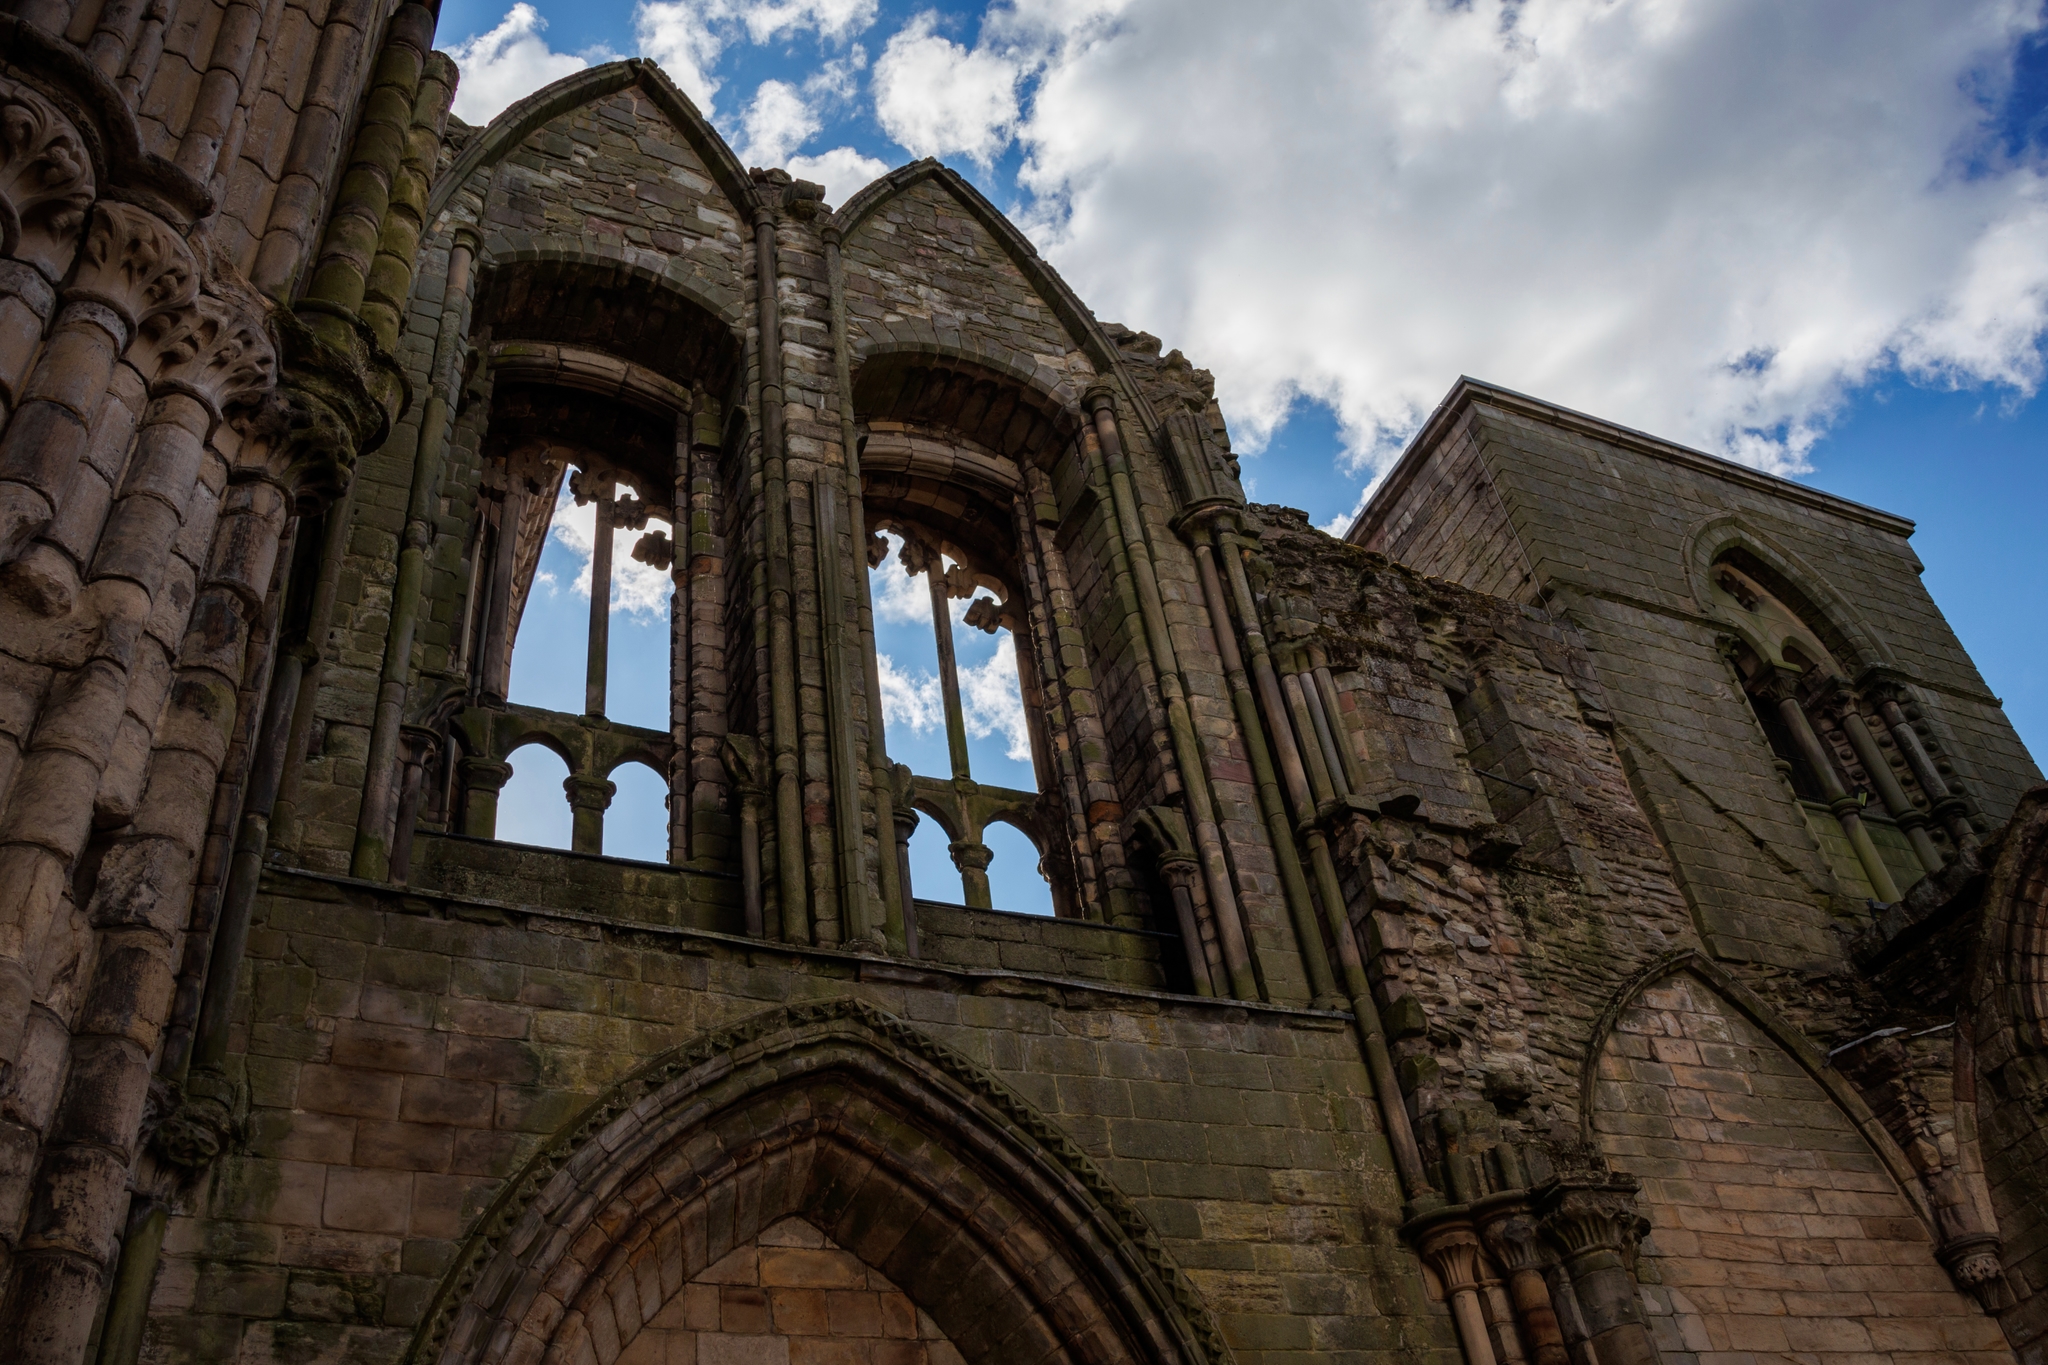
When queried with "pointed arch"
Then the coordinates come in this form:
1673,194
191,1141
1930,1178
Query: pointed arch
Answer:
1752,1007
1709,540
523,117
904,1152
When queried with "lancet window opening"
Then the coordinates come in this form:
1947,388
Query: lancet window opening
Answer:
1840,735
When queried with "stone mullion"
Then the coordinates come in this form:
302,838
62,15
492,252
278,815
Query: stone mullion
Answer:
141,895
1947,807
1878,769
598,641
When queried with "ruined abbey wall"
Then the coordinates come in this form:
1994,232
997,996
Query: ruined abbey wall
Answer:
1589,916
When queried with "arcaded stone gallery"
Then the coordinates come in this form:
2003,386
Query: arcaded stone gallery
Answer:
1592,914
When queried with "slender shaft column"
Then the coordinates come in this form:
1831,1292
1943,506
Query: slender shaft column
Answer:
848,772
1325,689
1293,884
1947,808
1372,1034
878,778
1315,744
906,825
1844,805
1910,817
310,649
497,652
949,670
598,662
1180,871
790,862
1187,748
408,591
1510,1235
1453,1252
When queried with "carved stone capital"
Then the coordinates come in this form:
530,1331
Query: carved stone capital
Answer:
590,793
46,181
134,263
1453,1252
1584,1216
218,354
335,403
1511,1237
1977,1264
485,774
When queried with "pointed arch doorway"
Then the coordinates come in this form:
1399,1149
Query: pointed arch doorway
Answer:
836,1121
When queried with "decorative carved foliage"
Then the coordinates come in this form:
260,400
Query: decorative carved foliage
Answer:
46,181
134,263
218,354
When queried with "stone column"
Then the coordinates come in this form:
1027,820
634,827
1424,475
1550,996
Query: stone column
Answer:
905,817
49,195
1510,1235
370,860
132,269
597,663
497,651
589,797
1453,1253
972,857
1187,746
482,779
1287,860
1817,757
749,773
1948,808
1910,817
1590,1222
924,559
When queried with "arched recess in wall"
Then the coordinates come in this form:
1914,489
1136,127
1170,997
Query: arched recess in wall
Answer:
959,439
1757,1164
896,1148
2002,1057
1839,624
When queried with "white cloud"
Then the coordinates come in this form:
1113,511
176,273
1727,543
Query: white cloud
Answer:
991,702
938,98
910,701
637,589
833,19
685,37
506,64
1706,218
777,123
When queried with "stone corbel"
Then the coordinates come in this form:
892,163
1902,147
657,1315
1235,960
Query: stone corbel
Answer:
1977,1264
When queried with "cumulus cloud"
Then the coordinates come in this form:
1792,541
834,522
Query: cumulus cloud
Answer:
687,37
637,589
939,98
991,701
510,61
1708,218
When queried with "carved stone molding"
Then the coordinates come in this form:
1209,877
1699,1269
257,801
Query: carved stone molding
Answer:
218,355
46,181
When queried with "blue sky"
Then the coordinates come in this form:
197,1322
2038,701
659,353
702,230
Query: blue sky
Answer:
1813,238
